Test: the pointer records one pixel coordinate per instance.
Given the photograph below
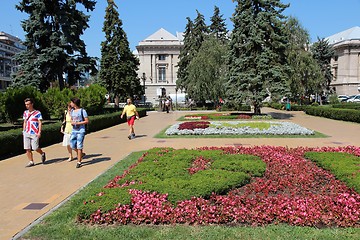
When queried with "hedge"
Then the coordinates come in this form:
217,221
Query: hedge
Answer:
350,115
11,142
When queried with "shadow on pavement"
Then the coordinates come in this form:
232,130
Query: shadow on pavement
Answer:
276,115
96,160
140,136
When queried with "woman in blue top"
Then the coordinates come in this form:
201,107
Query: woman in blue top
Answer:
79,118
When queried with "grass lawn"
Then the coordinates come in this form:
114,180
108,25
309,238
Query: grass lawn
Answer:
61,224
162,134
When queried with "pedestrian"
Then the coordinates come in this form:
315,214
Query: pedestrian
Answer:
32,127
79,118
66,129
167,105
131,115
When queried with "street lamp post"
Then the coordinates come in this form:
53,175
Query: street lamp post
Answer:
143,79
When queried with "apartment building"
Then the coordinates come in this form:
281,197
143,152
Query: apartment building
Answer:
9,46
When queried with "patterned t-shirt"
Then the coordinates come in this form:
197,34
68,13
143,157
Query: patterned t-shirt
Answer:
78,116
32,121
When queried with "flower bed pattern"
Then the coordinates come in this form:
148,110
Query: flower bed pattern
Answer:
236,128
225,116
293,191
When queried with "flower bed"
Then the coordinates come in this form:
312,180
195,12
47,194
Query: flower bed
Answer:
293,190
224,116
237,128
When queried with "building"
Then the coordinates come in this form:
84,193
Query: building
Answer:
346,62
9,46
159,55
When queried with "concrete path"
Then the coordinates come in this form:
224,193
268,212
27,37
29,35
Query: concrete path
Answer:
26,194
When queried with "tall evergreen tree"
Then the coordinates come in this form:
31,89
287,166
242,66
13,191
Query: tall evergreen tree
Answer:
218,26
185,55
195,33
257,52
54,46
322,53
118,64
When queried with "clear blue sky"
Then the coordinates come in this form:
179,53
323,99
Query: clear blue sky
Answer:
141,18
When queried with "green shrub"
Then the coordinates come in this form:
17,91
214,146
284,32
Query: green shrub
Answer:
92,98
15,106
345,166
57,101
334,113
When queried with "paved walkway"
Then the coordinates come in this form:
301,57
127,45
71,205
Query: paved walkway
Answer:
29,193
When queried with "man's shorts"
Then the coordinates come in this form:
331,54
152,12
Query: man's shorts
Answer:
131,120
31,141
77,140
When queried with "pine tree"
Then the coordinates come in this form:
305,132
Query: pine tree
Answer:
257,57
218,26
185,56
118,64
54,46
200,32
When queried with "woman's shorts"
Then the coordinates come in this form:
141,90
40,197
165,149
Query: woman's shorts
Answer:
77,140
66,139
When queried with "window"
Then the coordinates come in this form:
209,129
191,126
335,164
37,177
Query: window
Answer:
162,74
162,57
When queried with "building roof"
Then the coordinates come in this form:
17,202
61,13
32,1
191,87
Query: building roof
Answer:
161,35
349,34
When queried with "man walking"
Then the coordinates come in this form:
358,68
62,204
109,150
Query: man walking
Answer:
131,115
32,127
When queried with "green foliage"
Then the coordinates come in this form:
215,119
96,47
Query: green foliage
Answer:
53,42
118,64
92,98
166,171
218,26
257,60
14,105
350,115
57,101
344,166
206,71
347,105
322,53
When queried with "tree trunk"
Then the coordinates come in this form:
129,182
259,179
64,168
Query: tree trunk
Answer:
116,100
257,109
61,81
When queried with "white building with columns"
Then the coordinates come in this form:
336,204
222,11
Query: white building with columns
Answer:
345,64
159,55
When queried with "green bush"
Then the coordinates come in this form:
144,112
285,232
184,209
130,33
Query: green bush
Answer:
347,105
57,101
92,98
345,166
334,113
14,102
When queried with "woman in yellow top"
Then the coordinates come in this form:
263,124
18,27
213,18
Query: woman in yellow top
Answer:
131,115
66,130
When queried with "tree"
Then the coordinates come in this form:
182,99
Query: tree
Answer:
207,71
195,34
304,72
53,44
218,26
257,57
322,53
118,64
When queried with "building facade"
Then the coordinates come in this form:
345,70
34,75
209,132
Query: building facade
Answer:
9,46
159,55
345,64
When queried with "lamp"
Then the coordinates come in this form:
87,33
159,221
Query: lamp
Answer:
143,79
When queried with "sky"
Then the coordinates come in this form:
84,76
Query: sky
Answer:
142,18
